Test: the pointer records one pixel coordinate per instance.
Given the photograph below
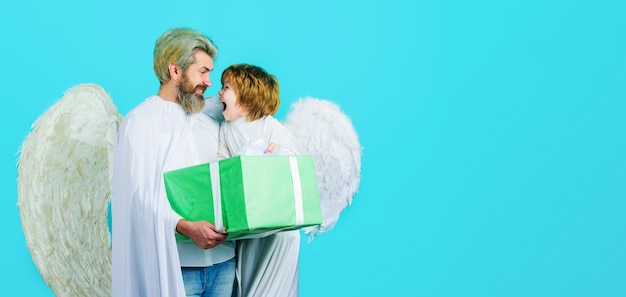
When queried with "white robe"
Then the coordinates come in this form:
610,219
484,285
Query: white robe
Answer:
266,266
154,137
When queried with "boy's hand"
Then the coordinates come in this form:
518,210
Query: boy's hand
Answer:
271,148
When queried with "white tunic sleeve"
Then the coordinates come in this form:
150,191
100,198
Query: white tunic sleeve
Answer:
145,258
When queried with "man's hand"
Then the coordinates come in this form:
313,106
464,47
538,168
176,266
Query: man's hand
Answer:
202,233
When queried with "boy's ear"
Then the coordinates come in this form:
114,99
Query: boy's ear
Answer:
175,71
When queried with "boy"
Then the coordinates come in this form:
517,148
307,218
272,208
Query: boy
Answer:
266,266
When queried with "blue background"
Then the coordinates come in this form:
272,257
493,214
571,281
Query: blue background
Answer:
494,159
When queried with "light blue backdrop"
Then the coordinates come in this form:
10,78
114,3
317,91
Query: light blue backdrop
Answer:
494,159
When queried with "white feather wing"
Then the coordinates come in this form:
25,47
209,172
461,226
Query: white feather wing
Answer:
322,130
64,190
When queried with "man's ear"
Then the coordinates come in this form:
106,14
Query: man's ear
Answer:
175,71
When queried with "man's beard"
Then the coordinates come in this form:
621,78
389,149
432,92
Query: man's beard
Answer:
189,100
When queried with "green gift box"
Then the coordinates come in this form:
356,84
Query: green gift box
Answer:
258,195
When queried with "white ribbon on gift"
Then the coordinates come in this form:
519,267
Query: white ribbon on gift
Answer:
297,190
217,196
217,201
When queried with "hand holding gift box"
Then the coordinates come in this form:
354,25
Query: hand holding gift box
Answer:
259,195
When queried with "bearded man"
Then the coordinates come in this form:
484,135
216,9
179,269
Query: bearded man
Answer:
167,131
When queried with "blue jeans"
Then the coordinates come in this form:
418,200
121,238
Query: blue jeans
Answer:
212,281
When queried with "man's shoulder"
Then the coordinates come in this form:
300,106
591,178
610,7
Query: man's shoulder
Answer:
141,116
144,108
213,108
208,122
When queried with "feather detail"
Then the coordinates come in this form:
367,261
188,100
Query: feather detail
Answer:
323,131
64,191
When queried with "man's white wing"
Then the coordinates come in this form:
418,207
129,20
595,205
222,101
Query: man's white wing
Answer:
322,130
64,190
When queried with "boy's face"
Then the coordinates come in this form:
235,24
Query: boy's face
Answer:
232,110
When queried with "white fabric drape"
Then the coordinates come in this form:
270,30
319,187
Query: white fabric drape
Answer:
153,138
266,266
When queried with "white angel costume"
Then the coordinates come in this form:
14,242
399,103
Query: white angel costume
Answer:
266,266
63,182
155,137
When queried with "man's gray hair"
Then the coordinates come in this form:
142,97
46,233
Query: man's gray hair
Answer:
178,46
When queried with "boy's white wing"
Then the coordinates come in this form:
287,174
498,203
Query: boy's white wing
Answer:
322,130
64,190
